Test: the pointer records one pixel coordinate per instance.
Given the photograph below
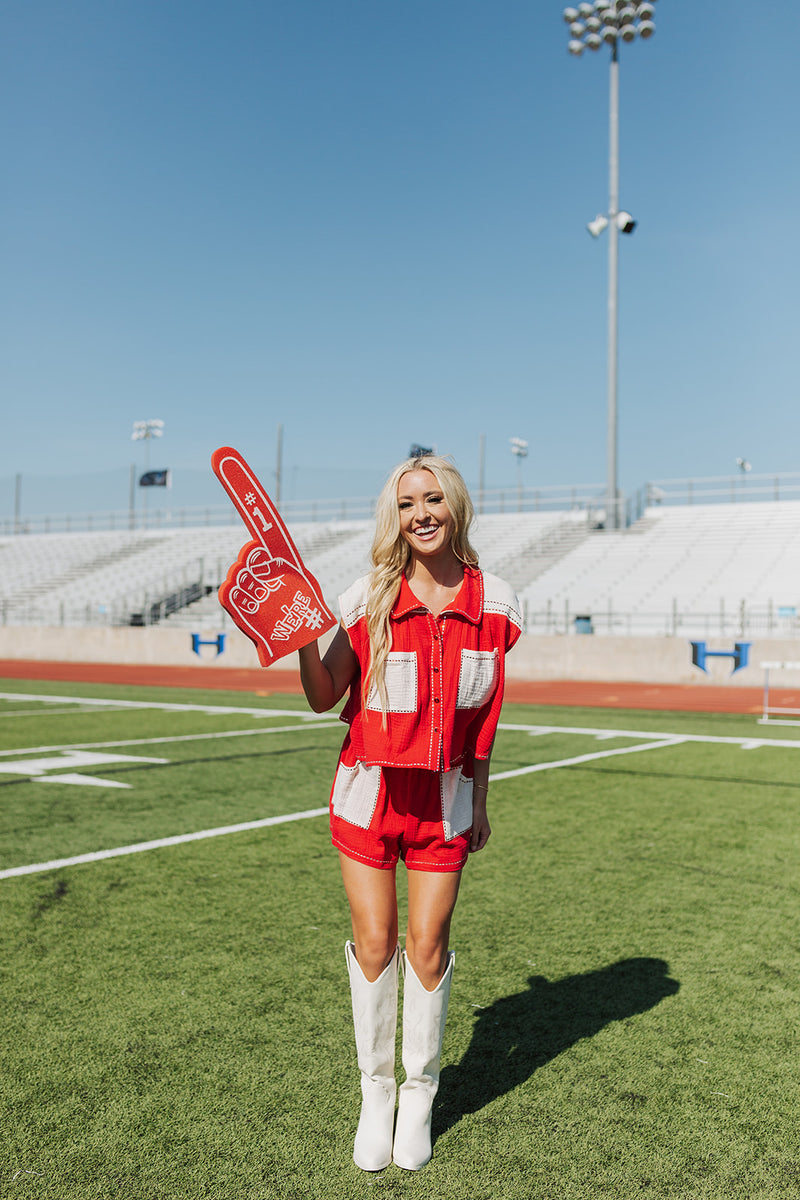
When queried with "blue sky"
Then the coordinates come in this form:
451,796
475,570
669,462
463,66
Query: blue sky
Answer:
366,223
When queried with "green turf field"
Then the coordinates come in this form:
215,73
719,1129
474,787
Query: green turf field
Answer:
175,1015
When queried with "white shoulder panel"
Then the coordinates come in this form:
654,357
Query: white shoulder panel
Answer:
353,602
500,597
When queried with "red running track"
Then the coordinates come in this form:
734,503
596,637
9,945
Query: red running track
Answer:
269,681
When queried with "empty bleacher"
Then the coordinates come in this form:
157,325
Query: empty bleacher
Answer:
680,569
688,569
100,578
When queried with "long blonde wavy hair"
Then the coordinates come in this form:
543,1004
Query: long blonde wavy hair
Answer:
391,555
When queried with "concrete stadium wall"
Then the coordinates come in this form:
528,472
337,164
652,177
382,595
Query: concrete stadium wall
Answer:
605,659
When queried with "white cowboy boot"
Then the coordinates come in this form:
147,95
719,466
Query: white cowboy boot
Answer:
375,1021
424,1017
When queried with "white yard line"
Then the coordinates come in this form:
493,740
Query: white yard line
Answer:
582,758
650,740
179,839
215,709
326,721
6,714
747,743
98,855
179,737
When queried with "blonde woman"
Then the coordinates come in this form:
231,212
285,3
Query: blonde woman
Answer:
421,648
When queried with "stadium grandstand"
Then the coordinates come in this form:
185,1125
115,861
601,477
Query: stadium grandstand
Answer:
696,558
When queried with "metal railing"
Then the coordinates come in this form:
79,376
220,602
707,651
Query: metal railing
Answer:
583,497
715,489
726,620
709,489
741,620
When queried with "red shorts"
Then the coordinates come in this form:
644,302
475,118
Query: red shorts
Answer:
382,814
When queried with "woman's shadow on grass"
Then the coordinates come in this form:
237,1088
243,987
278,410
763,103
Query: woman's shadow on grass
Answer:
515,1036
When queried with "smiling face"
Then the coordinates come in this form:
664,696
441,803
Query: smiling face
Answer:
426,522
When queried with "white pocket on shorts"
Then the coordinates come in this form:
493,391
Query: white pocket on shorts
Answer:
456,792
477,678
355,793
401,683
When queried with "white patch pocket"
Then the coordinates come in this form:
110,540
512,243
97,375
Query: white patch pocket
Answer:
355,793
401,683
477,678
456,792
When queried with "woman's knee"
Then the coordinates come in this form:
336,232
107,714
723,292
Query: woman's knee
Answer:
374,950
427,954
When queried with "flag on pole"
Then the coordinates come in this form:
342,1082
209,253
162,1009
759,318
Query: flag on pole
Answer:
156,479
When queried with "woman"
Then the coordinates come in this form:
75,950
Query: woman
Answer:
421,647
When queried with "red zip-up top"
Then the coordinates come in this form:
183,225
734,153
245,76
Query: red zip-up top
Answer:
444,675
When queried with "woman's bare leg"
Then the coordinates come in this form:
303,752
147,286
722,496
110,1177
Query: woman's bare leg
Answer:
432,897
372,896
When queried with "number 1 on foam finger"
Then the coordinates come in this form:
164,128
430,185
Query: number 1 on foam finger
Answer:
265,525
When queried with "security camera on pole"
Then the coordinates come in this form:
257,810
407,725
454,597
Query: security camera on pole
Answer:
610,22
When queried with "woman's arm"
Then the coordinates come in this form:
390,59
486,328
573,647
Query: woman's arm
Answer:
326,680
481,829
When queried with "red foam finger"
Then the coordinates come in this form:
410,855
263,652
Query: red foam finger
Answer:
253,504
268,591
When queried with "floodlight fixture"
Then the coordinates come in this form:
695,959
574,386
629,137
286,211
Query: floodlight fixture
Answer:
743,465
625,222
145,430
610,20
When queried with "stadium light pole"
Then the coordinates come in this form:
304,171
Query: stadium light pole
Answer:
519,448
592,25
145,431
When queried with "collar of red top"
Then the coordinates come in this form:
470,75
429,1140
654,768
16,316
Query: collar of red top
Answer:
467,603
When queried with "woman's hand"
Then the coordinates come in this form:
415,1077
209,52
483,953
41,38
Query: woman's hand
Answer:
481,829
